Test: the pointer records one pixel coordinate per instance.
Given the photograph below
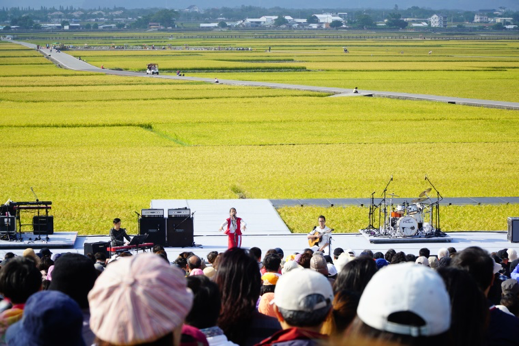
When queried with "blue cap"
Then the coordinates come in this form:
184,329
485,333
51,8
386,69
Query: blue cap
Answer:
381,263
49,318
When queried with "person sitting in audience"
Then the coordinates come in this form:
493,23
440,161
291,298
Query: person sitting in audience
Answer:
433,262
452,251
289,266
303,301
423,261
469,311
239,282
399,257
206,309
355,275
336,253
378,255
443,252
100,264
75,276
269,281
193,262
389,255
318,264
410,257
503,329
139,300
345,305
512,257
304,260
30,254
510,297
50,318
19,279
425,252
404,304
272,264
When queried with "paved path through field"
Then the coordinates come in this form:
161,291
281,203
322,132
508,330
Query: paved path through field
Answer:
73,63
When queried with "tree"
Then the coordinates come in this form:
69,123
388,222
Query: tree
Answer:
120,25
95,26
7,28
88,26
394,21
312,20
222,25
65,23
24,22
280,20
36,26
498,26
336,24
364,21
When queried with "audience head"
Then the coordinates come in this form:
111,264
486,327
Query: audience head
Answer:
425,252
444,262
378,255
29,253
478,263
443,252
433,262
345,306
75,276
49,318
304,260
399,257
451,250
510,286
239,281
280,252
512,254
303,298
332,271
134,291
413,308
318,264
469,307
367,252
44,252
337,252
194,262
206,302
100,256
157,248
381,262
272,263
423,261
255,252
410,257
389,255
290,265
19,279
355,275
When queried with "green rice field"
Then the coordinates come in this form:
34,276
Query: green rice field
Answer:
103,146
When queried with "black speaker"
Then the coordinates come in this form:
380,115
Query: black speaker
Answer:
100,246
43,224
513,230
7,224
155,228
180,231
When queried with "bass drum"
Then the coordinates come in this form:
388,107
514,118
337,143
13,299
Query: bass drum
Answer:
407,226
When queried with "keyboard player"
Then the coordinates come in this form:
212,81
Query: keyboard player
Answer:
118,234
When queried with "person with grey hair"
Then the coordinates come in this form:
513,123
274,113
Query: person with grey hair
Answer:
433,262
303,301
443,252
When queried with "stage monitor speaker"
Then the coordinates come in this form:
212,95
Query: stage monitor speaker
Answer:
100,246
155,228
7,224
43,224
180,231
513,230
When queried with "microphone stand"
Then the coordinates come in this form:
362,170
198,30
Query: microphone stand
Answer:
437,211
385,204
372,208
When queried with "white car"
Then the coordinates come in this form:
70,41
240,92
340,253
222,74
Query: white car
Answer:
153,69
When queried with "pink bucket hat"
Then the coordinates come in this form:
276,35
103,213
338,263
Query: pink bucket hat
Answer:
138,299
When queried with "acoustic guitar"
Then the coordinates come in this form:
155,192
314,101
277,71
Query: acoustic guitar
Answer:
315,241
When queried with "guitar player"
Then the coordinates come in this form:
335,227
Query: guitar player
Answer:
319,237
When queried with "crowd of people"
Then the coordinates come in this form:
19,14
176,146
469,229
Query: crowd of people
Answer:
245,297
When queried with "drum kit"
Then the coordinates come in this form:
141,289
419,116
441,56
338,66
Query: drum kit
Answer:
419,218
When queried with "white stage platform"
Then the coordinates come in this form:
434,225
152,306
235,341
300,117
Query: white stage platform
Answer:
259,214
290,243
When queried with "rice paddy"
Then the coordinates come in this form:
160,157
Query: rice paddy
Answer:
103,146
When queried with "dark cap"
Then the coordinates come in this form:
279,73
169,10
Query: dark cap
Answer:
337,252
44,251
49,318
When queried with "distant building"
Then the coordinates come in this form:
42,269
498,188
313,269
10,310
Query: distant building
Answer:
504,20
328,18
208,25
438,21
480,18
192,8
154,26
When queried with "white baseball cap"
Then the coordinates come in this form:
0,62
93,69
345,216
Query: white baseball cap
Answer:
293,287
406,287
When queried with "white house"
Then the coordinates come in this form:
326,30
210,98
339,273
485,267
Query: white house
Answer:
504,20
209,25
438,21
327,18
480,18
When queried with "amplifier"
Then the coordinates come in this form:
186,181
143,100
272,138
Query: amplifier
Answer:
43,224
155,228
7,224
93,248
513,230
180,231
182,212
152,213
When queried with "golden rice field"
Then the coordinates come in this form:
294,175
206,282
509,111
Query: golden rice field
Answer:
103,146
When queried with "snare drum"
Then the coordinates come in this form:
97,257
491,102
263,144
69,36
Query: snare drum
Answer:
407,226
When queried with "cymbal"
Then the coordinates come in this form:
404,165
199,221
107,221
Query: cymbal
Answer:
419,200
423,194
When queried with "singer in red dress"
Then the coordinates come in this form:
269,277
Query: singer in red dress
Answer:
233,227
